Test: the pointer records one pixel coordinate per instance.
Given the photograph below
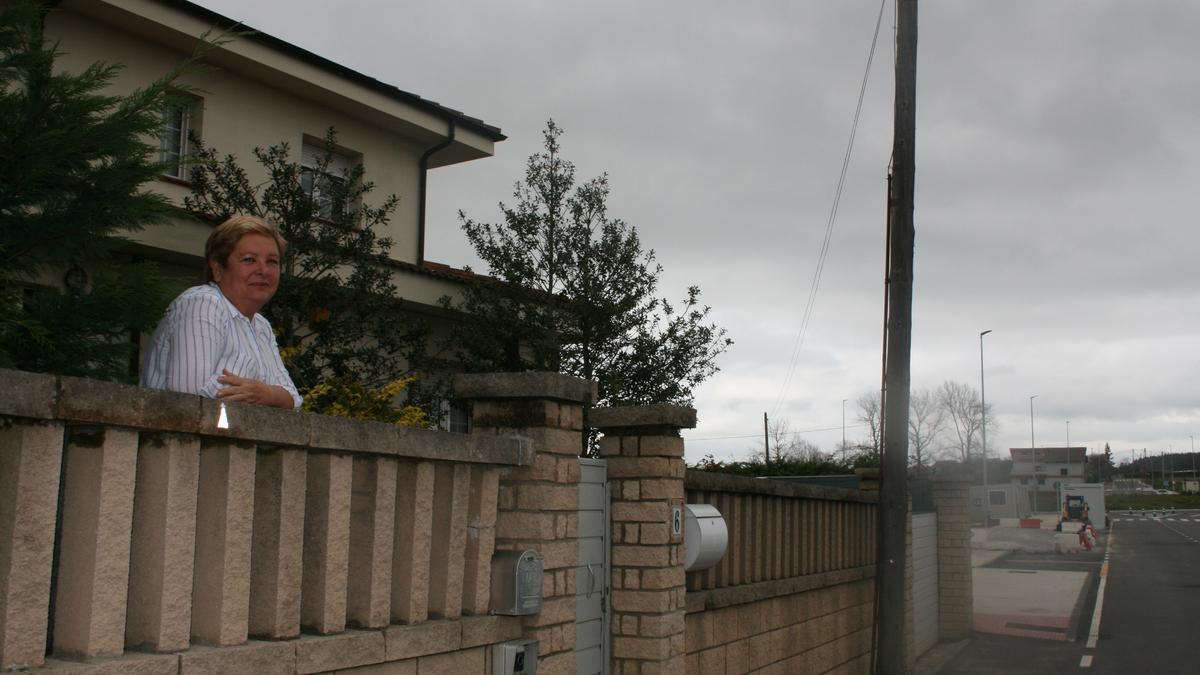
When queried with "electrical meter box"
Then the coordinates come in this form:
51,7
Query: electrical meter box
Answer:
517,656
516,582
705,536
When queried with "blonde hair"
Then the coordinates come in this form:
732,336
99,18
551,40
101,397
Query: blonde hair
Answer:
225,237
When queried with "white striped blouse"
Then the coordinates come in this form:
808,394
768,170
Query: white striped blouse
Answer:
202,335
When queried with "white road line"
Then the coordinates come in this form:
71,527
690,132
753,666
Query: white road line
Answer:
1085,661
1094,631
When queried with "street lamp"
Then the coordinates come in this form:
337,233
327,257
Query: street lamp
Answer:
1033,455
987,498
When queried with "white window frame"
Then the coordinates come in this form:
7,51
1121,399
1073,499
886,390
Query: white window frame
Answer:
312,154
174,144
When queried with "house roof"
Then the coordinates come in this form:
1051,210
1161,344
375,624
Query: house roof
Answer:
1073,455
491,132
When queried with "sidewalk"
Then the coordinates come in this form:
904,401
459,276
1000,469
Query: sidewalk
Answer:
1036,603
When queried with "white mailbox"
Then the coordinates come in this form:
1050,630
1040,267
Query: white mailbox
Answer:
704,537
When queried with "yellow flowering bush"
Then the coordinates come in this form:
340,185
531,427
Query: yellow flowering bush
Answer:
347,396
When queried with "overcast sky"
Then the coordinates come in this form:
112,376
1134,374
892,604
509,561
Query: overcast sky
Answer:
1058,154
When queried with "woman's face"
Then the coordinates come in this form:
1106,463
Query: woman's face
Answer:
250,277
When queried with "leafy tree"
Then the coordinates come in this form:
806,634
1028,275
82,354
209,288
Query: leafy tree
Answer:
73,160
573,291
337,311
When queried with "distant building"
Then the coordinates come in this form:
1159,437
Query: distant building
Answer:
1044,470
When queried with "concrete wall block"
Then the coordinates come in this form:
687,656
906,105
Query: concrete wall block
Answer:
30,459
655,533
644,648
414,524
556,555
326,542
163,544
525,525
481,540
663,625
224,527
489,630
267,658
280,485
372,528
660,446
455,663
668,577
335,652
93,566
431,637
626,555
629,489
639,467
547,497
662,488
644,512
451,496
641,601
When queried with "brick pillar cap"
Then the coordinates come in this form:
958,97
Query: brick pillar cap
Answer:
633,416
553,386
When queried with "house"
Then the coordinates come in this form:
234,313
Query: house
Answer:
1044,471
262,91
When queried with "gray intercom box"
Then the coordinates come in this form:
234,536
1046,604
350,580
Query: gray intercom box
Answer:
516,582
515,657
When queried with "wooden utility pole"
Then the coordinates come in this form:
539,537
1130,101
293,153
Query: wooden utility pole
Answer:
766,439
891,654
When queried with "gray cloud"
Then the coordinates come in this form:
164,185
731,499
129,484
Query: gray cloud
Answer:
1057,156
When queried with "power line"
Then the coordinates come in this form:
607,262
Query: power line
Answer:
786,433
837,198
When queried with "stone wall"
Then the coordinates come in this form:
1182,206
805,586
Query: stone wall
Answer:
813,624
795,591
138,534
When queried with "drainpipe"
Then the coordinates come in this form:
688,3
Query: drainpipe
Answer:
424,181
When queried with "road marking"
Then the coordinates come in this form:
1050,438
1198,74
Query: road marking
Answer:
1085,661
1094,631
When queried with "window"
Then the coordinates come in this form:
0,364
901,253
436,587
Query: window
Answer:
178,121
456,416
997,497
323,175
1062,472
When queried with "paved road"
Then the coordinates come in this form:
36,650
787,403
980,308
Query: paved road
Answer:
1151,614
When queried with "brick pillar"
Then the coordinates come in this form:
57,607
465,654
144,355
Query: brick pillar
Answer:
950,497
645,465
539,501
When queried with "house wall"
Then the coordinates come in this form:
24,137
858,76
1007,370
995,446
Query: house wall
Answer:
255,96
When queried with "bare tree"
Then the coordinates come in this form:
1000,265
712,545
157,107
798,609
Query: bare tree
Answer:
870,414
787,444
926,420
960,405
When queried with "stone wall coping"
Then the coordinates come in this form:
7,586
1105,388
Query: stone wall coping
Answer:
712,481
553,386
83,401
700,601
634,416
